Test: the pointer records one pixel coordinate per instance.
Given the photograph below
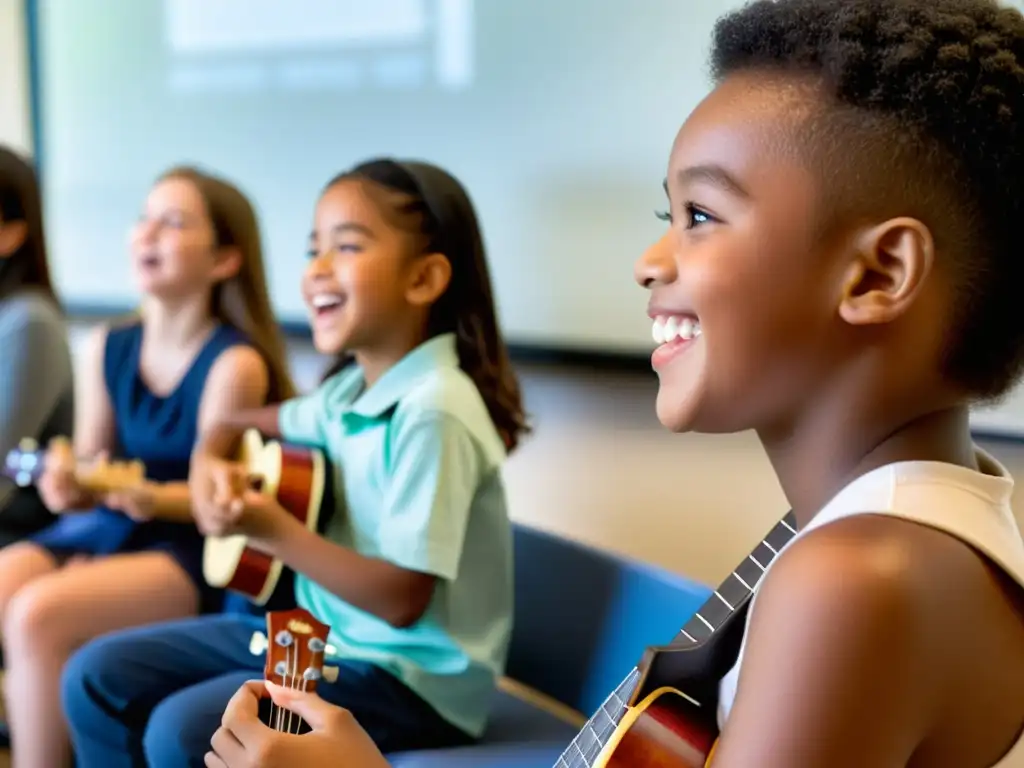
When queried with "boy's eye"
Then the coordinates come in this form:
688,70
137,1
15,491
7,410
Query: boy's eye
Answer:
696,217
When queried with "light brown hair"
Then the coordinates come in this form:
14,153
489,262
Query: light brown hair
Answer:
242,301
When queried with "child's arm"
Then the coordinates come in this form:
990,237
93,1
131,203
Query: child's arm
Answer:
35,373
213,476
836,672
435,475
94,428
236,385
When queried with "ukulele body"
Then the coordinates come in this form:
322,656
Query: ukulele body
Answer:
667,729
665,713
296,477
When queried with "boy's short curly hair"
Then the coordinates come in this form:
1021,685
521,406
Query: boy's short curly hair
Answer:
925,111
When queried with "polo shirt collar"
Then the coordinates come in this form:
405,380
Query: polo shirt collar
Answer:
437,352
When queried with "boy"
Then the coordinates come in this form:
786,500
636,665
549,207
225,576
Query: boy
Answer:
843,275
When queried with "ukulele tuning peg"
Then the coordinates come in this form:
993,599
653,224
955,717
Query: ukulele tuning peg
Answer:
284,638
330,674
28,445
312,674
316,645
258,644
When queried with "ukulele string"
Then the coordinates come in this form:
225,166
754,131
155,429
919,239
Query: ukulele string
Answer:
293,671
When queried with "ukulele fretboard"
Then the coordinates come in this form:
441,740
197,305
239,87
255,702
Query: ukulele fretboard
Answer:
731,595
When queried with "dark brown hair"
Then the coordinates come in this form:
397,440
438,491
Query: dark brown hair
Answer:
20,201
242,301
433,205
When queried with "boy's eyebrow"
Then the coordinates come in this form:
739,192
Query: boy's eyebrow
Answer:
714,175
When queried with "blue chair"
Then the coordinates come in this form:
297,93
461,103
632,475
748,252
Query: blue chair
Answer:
583,620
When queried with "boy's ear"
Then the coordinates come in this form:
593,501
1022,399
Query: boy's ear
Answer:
429,279
12,236
890,266
229,262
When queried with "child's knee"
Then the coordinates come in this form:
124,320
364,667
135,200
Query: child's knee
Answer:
175,736
33,617
80,692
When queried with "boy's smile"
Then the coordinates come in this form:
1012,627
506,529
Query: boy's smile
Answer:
673,333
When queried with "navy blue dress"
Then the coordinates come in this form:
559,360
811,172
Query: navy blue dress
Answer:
160,432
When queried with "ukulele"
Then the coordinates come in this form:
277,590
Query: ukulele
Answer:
664,714
26,463
297,478
294,659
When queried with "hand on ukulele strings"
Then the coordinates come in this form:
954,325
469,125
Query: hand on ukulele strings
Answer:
258,515
243,741
58,486
216,487
138,502
235,505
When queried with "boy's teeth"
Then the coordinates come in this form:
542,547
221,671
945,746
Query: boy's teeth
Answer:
670,328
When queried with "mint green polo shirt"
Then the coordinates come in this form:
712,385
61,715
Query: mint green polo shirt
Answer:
416,466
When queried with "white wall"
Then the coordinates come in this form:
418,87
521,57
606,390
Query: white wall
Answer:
15,131
15,124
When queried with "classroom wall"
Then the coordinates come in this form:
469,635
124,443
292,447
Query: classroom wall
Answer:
15,125
599,468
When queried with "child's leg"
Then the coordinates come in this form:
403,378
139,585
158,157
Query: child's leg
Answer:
395,718
19,564
53,615
151,693
181,727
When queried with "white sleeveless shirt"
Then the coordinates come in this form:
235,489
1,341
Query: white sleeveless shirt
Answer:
972,506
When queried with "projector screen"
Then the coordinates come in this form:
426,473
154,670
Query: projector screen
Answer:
558,115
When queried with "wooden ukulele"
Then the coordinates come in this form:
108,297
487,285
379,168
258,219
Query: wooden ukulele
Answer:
295,659
664,714
26,463
296,477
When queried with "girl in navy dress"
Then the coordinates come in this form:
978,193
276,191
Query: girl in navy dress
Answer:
204,343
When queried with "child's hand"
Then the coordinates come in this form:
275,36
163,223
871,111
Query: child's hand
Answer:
138,502
58,487
217,487
336,739
259,516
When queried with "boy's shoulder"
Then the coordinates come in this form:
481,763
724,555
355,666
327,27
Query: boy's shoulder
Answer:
903,615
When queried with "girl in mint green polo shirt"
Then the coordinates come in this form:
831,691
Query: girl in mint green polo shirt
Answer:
413,571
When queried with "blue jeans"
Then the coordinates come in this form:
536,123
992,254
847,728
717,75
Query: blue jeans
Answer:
155,695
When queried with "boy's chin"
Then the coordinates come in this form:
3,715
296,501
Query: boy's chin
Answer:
674,414
687,409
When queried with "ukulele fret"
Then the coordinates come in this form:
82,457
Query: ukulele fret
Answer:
721,605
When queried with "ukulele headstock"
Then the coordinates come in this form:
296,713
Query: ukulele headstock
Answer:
26,463
296,643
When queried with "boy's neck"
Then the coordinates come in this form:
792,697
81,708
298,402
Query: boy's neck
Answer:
179,323
832,448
